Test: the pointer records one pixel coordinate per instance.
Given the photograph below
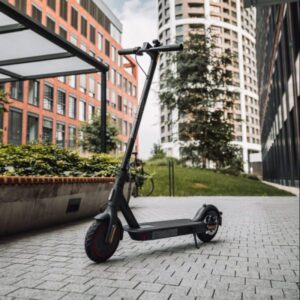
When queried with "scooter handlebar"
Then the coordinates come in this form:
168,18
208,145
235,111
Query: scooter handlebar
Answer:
129,51
139,50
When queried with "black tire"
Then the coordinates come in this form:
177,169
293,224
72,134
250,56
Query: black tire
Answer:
95,247
209,234
151,183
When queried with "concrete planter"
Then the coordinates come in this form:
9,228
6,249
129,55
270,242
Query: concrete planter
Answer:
34,202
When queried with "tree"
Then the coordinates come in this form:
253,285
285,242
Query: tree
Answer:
199,89
3,100
157,152
91,135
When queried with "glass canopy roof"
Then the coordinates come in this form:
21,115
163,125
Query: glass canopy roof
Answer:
30,51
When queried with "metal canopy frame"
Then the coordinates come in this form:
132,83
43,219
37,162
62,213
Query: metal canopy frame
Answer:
67,53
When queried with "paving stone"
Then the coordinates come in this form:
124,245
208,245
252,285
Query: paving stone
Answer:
222,295
51,285
6,289
150,287
175,290
100,291
27,293
151,296
126,293
201,292
259,259
76,296
269,291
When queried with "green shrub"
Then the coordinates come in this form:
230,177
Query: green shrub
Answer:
50,160
251,176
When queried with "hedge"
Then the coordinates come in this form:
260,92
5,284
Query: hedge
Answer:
50,160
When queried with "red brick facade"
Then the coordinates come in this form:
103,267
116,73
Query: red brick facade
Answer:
121,86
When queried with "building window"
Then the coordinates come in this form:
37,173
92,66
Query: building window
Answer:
32,128
47,131
16,90
72,137
48,97
83,83
82,110
83,26
100,41
50,24
107,48
21,5
91,87
179,29
125,128
61,102
74,18
60,134
92,34
63,32
72,81
119,103
15,126
36,14
91,112
64,9
178,8
72,107
99,91
179,39
52,4
125,106
73,40
34,93
114,53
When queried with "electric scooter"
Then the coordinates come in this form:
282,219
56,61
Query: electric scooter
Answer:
103,236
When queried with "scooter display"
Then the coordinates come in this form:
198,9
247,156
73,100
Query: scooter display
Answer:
103,236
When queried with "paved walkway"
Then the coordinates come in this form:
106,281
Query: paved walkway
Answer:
254,256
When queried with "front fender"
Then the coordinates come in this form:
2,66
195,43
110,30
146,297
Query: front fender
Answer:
107,215
205,208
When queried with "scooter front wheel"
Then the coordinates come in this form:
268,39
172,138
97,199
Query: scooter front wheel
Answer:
211,220
95,246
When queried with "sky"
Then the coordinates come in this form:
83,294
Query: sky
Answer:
139,25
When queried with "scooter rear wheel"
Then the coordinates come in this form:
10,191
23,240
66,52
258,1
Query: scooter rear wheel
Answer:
211,219
95,247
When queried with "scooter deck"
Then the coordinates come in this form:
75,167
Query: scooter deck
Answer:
165,229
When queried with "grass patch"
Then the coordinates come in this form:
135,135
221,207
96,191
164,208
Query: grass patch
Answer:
199,182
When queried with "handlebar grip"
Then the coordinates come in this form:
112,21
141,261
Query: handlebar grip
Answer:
129,51
169,48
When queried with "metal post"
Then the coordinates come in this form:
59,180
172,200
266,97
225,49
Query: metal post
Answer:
103,112
173,179
170,181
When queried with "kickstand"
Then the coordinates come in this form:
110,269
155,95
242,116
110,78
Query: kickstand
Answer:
196,241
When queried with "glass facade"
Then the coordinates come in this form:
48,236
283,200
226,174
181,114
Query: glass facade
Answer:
279,90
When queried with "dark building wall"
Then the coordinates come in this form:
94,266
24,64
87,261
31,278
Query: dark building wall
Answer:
278,63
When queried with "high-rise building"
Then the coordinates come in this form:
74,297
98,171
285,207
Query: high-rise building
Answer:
235,29
52,110
278,60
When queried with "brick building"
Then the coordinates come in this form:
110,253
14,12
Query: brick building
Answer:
52,110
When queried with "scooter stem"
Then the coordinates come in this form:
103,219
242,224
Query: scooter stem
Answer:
117,199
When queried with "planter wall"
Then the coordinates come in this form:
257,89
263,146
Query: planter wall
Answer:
34,202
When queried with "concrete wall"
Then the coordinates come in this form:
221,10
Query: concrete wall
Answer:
32,205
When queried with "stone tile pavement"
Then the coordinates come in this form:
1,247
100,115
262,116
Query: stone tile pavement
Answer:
255,255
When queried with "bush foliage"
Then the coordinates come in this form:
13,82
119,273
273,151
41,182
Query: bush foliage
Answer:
50,160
